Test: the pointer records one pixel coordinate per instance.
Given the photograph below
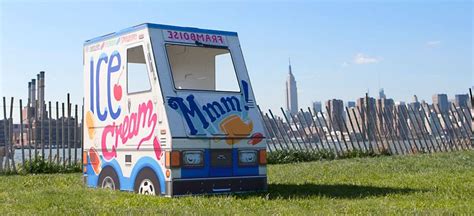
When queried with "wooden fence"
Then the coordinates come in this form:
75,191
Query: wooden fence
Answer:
393,129
53,133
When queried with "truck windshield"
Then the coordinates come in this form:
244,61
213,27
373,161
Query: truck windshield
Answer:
202,68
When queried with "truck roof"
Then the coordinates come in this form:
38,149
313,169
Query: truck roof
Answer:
157,26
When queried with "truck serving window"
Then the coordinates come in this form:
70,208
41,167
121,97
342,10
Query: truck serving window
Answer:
202,68
137,72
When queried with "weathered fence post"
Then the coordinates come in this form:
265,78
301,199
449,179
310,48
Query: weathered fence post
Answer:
405,120
466,128
21,135
420,130
12,148
402,122
445,128
50,133
330,134
291,129
317,132
68,127
75,134
35,135
425,117
387,124
311,147
63,141
353,130
29,131
456,127
273,132
321,132
281,133
344,122
310,130
360,131
5,131
331,121
57,133
438,130
365,129
299,132
42,131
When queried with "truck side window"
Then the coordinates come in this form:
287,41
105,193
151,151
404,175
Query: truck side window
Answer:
137,72
202,68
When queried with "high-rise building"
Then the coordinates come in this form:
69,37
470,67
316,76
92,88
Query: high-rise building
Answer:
291,93
400,120
317,107
351,104
366,106
441,101
429,119
414,117
461,100
415,104
384,115
382,94
336,110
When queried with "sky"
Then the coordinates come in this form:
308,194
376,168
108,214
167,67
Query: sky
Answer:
338,49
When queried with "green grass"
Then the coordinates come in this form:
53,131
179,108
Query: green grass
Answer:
423,184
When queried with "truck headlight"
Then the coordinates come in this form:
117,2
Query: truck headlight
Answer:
247,157
193,158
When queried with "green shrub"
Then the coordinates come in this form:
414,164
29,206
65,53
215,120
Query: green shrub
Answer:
295,156
40,165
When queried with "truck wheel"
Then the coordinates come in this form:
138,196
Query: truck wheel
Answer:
147,182
108,179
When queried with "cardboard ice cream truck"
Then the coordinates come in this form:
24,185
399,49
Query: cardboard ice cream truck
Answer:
170,111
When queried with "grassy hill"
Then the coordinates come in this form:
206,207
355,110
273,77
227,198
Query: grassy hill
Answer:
423,184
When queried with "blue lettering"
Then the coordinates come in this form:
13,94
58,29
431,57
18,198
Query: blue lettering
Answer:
113,69
193,110
101,116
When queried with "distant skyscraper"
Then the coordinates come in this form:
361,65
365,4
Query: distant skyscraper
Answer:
382,94
415,105
384,112
441,101
291,93
317,107
400,120
367,111
461,100
351,104
336,111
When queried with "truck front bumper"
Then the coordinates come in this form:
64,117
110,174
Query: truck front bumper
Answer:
179,187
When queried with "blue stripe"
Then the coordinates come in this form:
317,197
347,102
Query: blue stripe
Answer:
208,171
157,26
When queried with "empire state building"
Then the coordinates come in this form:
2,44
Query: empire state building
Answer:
291,93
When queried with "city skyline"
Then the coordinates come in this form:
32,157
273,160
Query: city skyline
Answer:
338,50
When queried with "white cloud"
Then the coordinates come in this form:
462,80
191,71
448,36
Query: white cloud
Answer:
361,58
435,43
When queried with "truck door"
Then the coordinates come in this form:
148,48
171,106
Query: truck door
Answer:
141,118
